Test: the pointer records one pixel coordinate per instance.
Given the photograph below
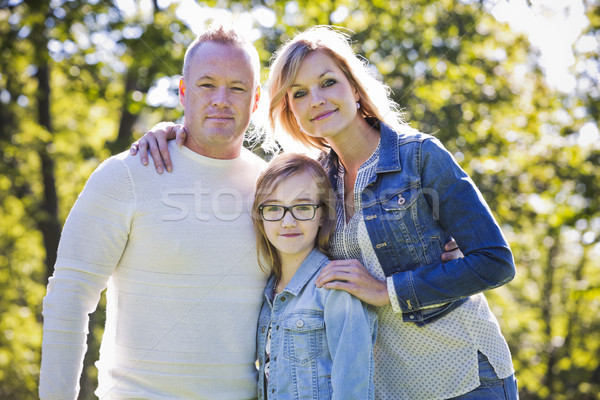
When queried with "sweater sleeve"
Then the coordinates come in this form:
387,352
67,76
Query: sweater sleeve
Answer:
92,242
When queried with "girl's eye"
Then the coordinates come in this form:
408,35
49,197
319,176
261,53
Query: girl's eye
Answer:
299,93
271,208
329,82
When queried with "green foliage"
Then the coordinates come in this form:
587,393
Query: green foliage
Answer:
455,71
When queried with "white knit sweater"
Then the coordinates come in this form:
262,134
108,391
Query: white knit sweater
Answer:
177,253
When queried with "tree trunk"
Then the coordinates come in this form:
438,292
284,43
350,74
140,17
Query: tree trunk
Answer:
123,140
48,222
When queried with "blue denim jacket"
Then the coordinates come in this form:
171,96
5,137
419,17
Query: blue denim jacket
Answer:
418,199
321,340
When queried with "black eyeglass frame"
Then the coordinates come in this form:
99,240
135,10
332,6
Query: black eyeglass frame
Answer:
290,209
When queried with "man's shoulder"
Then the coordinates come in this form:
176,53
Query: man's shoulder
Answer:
252,160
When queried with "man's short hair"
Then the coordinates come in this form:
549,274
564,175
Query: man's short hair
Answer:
223,35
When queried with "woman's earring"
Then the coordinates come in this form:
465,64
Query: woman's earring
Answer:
357,105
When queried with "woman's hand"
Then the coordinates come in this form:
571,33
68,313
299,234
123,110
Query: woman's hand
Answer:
352,277
155,141
451,251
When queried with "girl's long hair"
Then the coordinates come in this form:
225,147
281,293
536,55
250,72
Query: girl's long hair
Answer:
280,168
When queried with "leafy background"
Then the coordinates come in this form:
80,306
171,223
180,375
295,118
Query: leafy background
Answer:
80,80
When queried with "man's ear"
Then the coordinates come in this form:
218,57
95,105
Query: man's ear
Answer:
181,90
256,98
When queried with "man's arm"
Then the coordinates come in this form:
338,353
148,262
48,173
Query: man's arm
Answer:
91,244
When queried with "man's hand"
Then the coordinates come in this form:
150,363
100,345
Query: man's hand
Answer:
155,142
451,251
352,277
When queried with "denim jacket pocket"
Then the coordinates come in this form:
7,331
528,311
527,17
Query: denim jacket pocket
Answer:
399,218
402,199
303,338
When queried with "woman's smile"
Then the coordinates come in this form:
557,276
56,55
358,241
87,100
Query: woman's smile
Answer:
323,115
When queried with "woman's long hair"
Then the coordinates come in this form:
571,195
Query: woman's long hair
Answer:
375,101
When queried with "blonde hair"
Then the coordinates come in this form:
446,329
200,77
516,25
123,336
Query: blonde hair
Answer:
280,168
374,96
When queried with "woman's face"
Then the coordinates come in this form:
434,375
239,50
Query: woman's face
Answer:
294,239
322,99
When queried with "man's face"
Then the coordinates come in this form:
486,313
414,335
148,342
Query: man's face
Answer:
218,95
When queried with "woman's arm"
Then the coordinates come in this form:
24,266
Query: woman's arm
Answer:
351,329
464,214
354,278
155,143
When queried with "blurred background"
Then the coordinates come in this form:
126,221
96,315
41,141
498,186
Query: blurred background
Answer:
510,87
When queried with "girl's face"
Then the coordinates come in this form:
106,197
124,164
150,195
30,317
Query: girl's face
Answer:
294,239
322,99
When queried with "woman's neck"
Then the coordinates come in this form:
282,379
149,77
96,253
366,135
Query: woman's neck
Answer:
355,145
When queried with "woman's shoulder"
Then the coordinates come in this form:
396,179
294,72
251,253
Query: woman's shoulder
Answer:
406,134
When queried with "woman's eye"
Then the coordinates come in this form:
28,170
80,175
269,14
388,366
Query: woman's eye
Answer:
271,208
328,82
207,85
238,89
299,93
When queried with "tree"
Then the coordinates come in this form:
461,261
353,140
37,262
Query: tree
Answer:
75,84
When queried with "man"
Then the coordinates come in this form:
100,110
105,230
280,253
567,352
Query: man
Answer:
176,252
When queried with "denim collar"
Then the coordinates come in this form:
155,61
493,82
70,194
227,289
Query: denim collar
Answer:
311,265
389,152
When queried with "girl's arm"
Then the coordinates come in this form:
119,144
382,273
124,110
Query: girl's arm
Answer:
351,330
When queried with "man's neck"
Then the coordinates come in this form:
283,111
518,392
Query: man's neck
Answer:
228,151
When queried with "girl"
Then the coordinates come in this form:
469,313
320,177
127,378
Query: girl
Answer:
312,343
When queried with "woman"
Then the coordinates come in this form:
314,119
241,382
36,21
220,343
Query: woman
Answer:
400,196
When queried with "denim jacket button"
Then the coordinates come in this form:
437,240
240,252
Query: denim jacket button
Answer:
299,323
401,200
282,298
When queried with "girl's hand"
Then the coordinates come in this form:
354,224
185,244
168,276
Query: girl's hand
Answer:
156,140
451,251
352,277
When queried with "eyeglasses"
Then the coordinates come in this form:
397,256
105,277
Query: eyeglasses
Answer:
301,212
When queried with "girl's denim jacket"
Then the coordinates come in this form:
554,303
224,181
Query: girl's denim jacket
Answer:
321,340
417,200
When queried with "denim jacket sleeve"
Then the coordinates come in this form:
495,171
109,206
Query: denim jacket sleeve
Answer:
464,215
351,333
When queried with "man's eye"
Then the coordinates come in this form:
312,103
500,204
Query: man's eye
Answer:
299,93
238,89
207,85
